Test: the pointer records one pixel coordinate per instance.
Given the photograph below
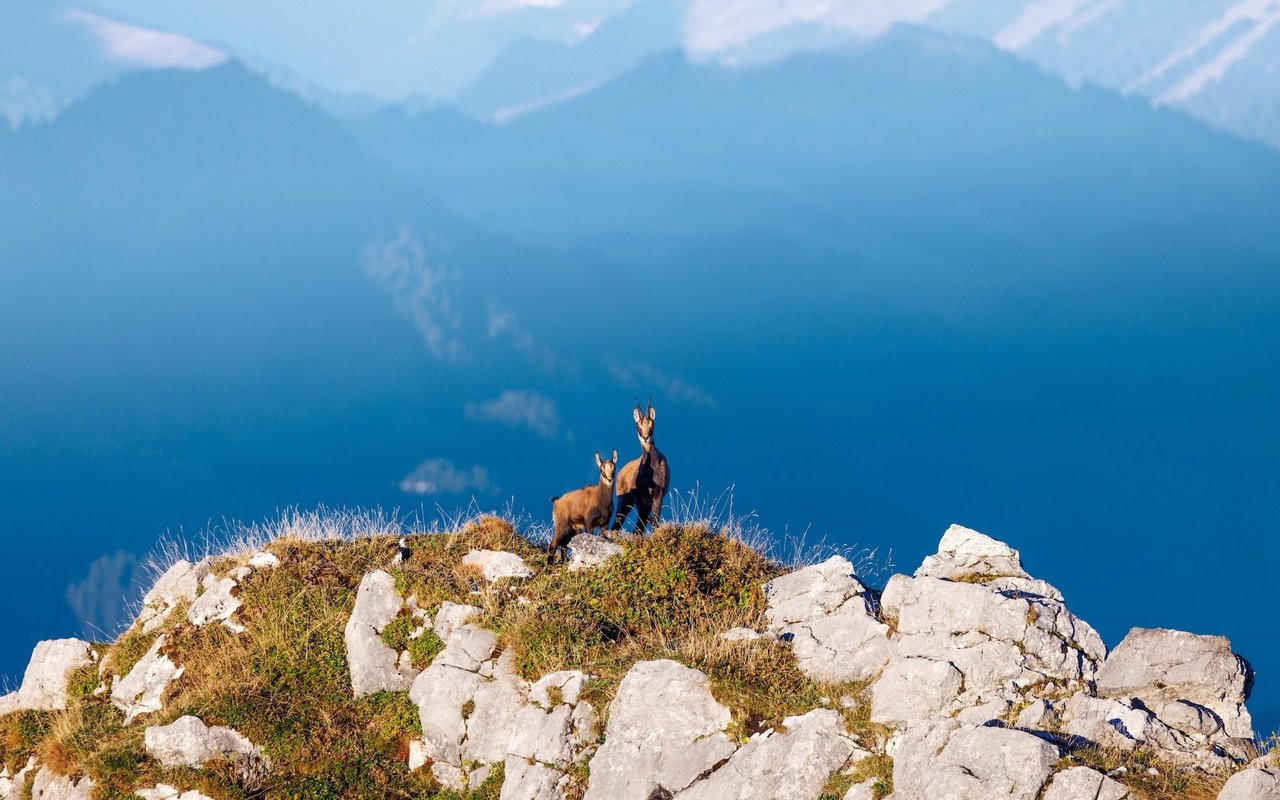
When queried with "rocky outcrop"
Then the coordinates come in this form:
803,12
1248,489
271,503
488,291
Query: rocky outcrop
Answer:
142,690
790,765
1252,784
44,685
180,583
665,731
945,759
826,615
1082,783
587,551
188,742
497,565
12,784
216,604
374,666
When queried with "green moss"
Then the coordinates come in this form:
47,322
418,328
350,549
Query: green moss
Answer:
20,734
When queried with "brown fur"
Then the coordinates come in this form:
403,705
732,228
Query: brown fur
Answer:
586,509
643,482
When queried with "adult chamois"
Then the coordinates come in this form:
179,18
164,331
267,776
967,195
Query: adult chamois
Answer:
643,483
585,509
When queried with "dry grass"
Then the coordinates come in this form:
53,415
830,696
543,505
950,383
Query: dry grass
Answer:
1146,775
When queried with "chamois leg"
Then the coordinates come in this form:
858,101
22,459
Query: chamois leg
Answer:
625,503
647,514
558,541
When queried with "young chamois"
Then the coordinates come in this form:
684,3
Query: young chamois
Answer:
643,483
585,509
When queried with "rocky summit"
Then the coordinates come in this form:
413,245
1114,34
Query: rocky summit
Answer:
684,666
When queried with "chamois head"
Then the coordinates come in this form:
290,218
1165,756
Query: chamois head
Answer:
607,468
644,424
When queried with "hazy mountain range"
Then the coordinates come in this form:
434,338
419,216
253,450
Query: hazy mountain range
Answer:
1218,60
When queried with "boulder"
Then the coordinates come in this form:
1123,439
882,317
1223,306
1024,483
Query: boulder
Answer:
965,554
826,615
665,731
216,603
1252,784
44,685
862,791
49,785
188,742
181,582
913,689
164,791
587,551
790,765
1041,715
945,759
142,690
525,780
497,565
263,560
1161,667
374,666
1082,783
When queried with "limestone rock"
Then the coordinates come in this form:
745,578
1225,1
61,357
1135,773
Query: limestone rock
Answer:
968,555
945,759
180,582
1160,667
187,741
794,765
825,613
142,690
568,684
862,791
44,685
1003,641
665,730
1252,784
587,551
263,560
745,635
1041,715
164,791
450,616
216,603
497,565
1082,783
912,689
374,666
12,785
49,785
531,781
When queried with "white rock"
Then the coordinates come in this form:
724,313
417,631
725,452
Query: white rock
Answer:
569,683
1082,783
913,689
180,582
862,791
240,573
794,765
1160,666
498,701
1252,784
187,741
588,552
164,791
967,554
263,560
44,685
981,714
216,603
1039,716
51,786
497,565
450,616
467,648
823,611
12,786
944,759
374,666
532,781
142,690
665,730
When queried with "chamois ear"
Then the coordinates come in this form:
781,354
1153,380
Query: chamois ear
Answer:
597,458
636,413
615,456
653,413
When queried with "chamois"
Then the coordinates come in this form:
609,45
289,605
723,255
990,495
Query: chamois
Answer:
643,483
588,508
